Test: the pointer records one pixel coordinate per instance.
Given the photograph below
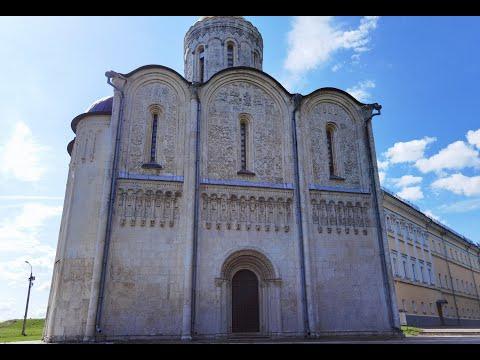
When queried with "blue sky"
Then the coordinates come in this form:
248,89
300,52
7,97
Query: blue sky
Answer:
423,70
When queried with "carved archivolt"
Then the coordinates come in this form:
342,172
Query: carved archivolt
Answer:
148,204
348,213
248,259
249,212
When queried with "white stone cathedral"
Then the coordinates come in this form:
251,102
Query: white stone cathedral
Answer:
219,205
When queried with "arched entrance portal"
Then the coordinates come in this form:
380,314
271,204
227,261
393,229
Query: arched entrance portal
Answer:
249,293
245,302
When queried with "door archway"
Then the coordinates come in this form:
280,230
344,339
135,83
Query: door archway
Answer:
263,277
245,302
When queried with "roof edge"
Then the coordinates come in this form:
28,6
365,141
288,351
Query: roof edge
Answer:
77,118
154,66
436,222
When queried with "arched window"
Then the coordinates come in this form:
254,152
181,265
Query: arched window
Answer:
151,145
201,64
245,152
331,150
256,60
243,145
230,54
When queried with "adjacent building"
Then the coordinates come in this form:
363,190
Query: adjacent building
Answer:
436,270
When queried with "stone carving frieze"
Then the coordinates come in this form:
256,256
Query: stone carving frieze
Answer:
346,144
243,209
341,213
148,203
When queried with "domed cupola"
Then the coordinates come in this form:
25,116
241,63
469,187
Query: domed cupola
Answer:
214,43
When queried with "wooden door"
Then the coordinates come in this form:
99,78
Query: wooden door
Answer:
245,302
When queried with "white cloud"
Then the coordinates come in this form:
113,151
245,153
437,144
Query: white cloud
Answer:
360,91
473,137
20,241
29,197
337,67
382,165
432,215
461,206
407,180
459,184
312,41
21,155
457,155
411,193
382,175
409,151
19,233
7,309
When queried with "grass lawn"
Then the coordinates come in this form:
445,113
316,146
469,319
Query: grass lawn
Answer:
410,330
11,330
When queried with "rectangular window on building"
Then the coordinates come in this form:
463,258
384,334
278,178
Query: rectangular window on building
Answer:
414,306
440,280
405,274
430,276
395,270
414,274
446,282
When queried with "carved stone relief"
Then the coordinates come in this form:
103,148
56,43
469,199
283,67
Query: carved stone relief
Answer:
246,209
347,213
148,203
165,97
346,144
267,129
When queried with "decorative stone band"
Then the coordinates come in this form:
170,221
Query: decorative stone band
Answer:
341,212
148,203
135,176
257,184
337,189
246,209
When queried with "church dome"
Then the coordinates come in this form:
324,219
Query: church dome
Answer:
101,105
214,43
208,17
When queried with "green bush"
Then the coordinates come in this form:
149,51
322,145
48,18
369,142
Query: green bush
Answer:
410,330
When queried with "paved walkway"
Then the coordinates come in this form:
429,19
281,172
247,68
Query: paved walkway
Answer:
407,340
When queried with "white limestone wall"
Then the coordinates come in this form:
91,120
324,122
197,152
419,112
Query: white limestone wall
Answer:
81,222
347,290
145,294
247,217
